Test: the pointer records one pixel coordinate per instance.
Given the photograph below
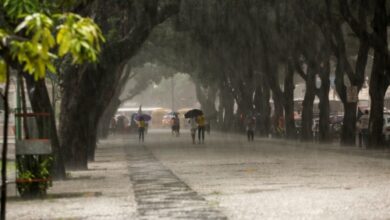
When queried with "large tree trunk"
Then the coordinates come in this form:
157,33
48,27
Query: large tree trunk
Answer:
206,98
115,102
88,89
324,135
307,111
109,113
263,108
348,131
228,105
335,37
271,77
40,102
379,81
278,99
289,102
378,86
75,111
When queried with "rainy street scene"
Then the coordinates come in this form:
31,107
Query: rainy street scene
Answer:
194,109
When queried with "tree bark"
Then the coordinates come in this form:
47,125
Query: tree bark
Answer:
3,198
307,111
324,135
379,78
228,107
289,102
88,89
378,87
109,113
40,102
207,98
262,104
263,108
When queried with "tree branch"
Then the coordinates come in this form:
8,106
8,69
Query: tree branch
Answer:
353,23
299,70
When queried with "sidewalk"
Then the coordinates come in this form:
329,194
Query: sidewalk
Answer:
104,191
330,147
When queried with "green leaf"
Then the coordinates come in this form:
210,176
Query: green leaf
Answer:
3,70
80,37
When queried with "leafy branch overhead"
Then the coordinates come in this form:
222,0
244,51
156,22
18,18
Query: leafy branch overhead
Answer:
39,38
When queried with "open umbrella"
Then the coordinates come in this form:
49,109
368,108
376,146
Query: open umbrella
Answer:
193,113
138,117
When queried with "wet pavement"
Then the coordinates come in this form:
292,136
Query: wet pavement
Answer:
160,194
104,191
273,180
168,177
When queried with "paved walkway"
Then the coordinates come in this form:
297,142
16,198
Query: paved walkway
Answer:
104,191
160,194
167,177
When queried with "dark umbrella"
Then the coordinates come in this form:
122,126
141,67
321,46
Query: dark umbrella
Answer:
138,117
193,113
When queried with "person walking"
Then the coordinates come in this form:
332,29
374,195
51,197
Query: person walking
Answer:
141,129
113,124
250,128
193,128
363,124
176,123
201,121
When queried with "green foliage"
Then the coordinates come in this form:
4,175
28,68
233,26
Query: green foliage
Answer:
3,70
3,64
38,33
31,168
35,52
80,37
17,9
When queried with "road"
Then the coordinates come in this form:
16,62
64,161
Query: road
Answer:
260,180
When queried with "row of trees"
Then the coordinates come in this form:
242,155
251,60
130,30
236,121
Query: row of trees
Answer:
237,52
33,34
248,52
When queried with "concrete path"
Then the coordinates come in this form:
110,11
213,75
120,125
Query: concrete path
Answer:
160,194
104,191
168,177
274,180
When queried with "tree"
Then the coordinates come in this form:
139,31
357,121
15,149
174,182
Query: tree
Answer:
32,35
85,98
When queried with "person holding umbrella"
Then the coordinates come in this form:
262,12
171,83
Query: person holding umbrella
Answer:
141,129
197,117
141,120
